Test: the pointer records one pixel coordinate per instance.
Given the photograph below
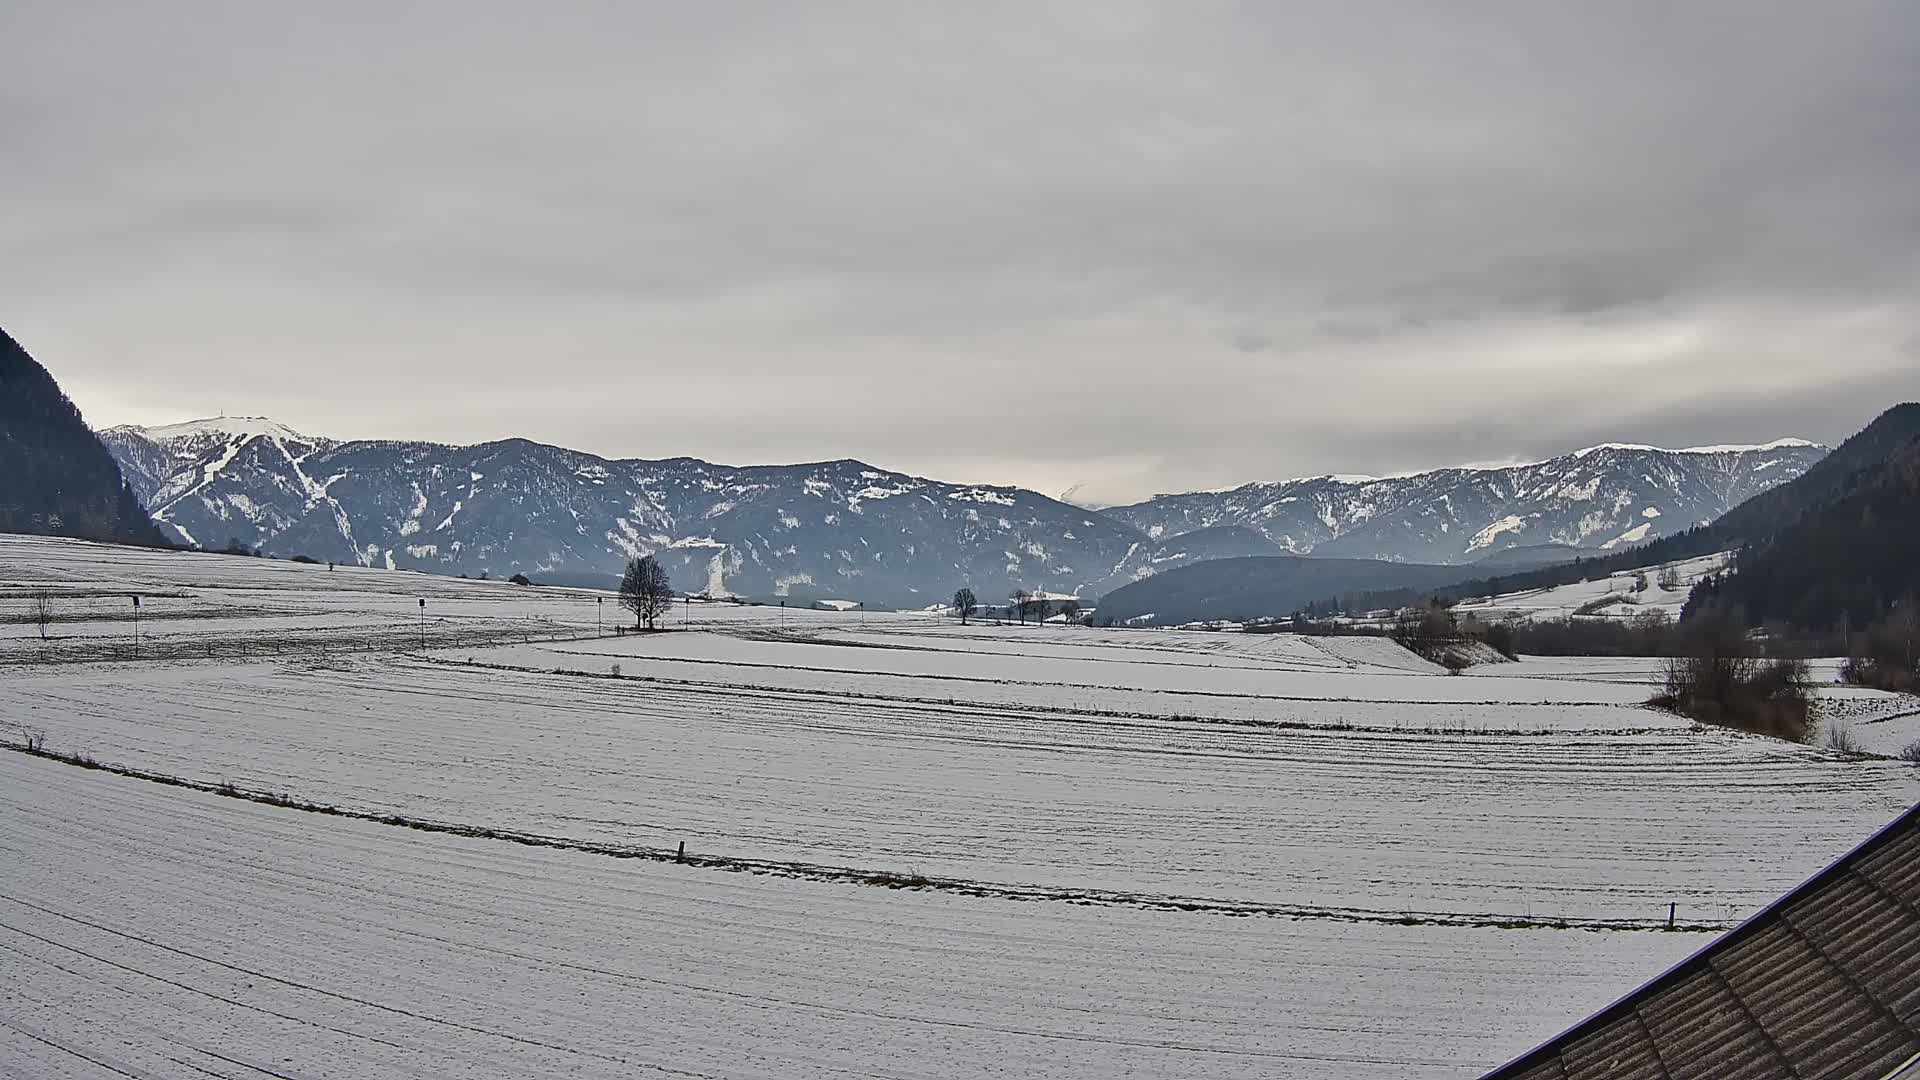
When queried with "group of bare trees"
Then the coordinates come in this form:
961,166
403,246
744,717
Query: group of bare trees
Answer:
1020,603
1887,654
1719,677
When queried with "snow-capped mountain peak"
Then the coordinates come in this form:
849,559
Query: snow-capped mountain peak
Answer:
842,529
1788,443
219,428
1604,496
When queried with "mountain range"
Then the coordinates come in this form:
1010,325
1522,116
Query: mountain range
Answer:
1607,496
848,529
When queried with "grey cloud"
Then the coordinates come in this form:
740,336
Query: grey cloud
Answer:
1137,246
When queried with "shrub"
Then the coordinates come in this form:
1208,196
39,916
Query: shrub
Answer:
1887,656
308,559
1911,752
1718,678
1593,607
1504,639
1840,737
520,579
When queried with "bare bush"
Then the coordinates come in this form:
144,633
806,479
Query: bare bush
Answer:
1911,752
1840,737
1887,655
42,611
1425,629
1719,678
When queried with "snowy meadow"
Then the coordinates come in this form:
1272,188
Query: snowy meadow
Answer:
334,831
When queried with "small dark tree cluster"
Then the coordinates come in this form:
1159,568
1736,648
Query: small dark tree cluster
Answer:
1887,654
1426,629
1720,678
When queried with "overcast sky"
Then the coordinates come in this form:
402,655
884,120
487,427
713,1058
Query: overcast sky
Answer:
1131,247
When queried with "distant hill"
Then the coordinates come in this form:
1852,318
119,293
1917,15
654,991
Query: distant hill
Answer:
1259,587
1847,561
56,478
1521,558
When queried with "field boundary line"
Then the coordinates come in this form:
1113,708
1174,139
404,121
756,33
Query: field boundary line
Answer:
890,879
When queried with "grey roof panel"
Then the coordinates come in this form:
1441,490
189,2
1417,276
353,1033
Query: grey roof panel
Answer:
1824,983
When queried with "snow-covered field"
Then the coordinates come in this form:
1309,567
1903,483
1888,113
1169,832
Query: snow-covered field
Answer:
1586,598
152,932
1130,852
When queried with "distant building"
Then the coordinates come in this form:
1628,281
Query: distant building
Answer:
1825,982
1047,605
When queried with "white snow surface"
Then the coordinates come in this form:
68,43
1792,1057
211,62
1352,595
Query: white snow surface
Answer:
1565,601
1137,788
166,933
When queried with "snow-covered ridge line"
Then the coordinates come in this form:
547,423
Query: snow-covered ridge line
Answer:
1786,443
225,426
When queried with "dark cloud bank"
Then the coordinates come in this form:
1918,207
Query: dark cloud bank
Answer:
1138,247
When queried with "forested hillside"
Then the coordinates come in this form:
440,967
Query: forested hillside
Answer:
1847,563
56,478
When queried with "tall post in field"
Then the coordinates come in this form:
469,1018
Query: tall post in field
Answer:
599,605
423,624
136,626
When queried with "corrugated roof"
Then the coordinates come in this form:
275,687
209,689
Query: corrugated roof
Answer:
1824,983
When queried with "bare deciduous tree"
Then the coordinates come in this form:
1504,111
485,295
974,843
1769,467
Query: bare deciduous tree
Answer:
645,590
1021,598
42,611
965,604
